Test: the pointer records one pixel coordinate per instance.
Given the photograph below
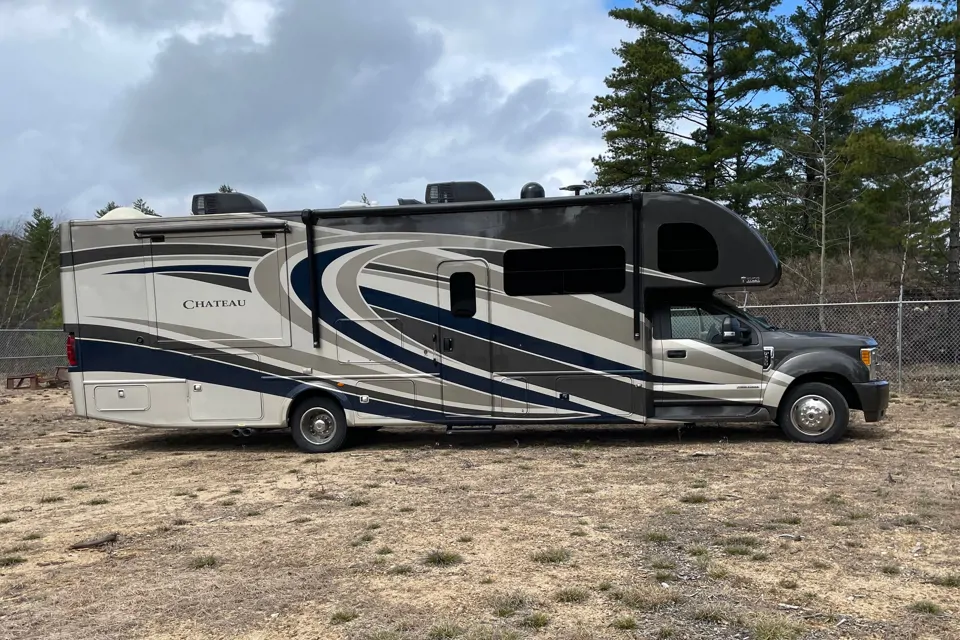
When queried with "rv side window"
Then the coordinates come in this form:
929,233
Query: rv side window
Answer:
684,247
463,294
564,270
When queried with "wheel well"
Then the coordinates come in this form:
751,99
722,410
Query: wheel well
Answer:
838,382
307,394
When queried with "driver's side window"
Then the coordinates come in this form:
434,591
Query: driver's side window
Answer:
689,322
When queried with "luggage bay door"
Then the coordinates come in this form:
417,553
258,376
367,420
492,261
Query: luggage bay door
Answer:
220,289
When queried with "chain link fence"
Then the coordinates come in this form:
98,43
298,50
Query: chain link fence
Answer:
27,351
919,341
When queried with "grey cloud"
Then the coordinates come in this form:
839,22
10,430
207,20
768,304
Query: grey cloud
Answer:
337,86
140,14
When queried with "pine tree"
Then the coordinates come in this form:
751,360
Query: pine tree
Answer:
225,188
110,207
140,205
829,54
929,48
645,98
724,50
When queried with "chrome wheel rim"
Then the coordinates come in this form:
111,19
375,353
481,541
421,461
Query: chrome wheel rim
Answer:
812,415
318,426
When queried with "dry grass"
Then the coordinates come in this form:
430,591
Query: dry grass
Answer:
414,534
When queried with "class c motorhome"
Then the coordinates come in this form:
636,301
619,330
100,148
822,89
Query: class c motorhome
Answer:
462,311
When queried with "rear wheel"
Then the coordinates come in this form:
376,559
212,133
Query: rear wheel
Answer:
318,425
814,412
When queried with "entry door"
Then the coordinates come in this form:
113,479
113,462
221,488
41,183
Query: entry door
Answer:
692,365
463,338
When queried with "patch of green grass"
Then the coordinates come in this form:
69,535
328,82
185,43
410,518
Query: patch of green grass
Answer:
647,597
792,520
788,583
553,555
890,569
664,576
742,541
760,556
606,585
694,498
624,623
11,561
51,499
204,562
906,520
698,551
656,536
663,563
775,628
833,498
441,558
384,551
698,484
572,595
509,603
717,572
926,608
79,486
357,502
710,613
948,580
537,620
97,501
344,615
858,514
737,550
445,631
667,632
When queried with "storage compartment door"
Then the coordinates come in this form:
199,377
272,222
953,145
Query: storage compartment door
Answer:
223,289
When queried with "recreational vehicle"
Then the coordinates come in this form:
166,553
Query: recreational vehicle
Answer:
461,311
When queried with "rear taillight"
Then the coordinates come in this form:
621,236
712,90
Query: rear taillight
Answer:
71,350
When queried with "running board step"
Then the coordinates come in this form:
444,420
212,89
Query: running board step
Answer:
452,429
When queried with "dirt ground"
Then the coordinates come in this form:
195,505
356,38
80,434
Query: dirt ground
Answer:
522,533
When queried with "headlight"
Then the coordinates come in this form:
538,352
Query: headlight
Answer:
869,357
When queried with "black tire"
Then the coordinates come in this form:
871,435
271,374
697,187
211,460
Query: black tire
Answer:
822,397
330,413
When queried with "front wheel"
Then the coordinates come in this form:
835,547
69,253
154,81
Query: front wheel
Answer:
318,425
814,412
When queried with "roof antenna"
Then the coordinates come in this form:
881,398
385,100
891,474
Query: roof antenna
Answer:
576,188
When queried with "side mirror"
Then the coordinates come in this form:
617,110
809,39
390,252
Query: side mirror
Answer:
734,332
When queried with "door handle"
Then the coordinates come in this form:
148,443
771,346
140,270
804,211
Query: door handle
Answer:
448,344
677,353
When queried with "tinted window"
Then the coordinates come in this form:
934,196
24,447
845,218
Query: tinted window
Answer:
463,294
695,323
684,247
565,270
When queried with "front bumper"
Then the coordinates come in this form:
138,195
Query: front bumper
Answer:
874,397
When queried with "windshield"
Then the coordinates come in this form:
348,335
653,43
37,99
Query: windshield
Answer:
737,311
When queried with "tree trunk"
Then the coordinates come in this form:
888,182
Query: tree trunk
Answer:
710,64
953,253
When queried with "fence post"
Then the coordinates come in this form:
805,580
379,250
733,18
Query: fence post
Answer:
900,346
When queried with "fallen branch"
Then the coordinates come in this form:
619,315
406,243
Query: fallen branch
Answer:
95,542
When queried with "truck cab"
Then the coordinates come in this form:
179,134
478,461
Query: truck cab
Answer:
714,361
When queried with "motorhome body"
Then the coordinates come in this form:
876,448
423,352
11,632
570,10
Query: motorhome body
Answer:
587,309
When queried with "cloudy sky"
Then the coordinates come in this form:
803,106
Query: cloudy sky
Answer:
303,103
